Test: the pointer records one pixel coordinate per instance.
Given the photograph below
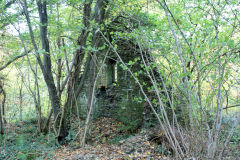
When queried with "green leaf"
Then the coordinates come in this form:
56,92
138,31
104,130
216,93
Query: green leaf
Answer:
102,48
130,63
230,43
22,156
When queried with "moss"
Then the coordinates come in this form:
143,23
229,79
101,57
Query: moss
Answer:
130,113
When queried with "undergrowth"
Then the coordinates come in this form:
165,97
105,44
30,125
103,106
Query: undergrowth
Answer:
22,142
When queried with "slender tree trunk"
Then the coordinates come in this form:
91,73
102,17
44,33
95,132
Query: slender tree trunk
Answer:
179,52
38,100
59,70
20,100
47,70
59,59
75,79
92,73
46,64
1,109
1,122
3,105
78,63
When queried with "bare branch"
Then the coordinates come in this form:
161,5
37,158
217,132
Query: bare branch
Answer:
236,105
14,59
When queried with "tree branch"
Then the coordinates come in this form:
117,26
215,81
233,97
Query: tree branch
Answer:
236,105
14,59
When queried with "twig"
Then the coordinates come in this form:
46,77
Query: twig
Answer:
14,59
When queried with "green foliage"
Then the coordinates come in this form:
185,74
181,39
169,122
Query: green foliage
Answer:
26,155
123,67
227,124
207,33
20,141
71,135
26,146
22,156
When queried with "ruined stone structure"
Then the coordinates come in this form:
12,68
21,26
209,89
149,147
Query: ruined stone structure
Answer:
117,95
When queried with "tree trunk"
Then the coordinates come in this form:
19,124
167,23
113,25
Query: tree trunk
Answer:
3,105
1,109
76,80
78,63
20,101
1,123
47,70
46,64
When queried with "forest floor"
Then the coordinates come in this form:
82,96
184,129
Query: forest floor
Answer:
107,152
108,141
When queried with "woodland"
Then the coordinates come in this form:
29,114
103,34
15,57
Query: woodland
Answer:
119,79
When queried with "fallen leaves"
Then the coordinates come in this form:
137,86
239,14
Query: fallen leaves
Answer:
134,148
